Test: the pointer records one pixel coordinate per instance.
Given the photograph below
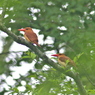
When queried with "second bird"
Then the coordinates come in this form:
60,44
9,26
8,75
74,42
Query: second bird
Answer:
64,60
30,35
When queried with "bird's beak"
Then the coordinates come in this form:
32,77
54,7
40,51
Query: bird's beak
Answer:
21,29
54,55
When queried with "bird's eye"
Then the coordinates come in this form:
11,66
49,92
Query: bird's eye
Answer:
26,29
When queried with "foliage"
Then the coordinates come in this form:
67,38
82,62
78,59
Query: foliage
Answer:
69,23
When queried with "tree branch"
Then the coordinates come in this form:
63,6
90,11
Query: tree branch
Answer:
20,40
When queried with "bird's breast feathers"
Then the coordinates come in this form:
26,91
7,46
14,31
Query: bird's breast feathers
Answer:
62,63
26,38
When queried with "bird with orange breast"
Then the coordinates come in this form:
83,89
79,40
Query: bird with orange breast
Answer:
29,35
64,60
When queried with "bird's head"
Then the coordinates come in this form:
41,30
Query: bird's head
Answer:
57,55
25,29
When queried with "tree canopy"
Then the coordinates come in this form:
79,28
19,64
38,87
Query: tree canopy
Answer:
69,25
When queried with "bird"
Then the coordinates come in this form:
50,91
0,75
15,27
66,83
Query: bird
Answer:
29,35
64,60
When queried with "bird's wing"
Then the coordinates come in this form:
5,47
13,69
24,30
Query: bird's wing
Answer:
31,36
67,60
63,59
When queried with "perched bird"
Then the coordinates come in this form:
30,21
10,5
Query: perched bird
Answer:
30,35
64,60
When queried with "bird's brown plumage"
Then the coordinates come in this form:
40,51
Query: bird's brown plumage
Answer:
64,60
30,35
